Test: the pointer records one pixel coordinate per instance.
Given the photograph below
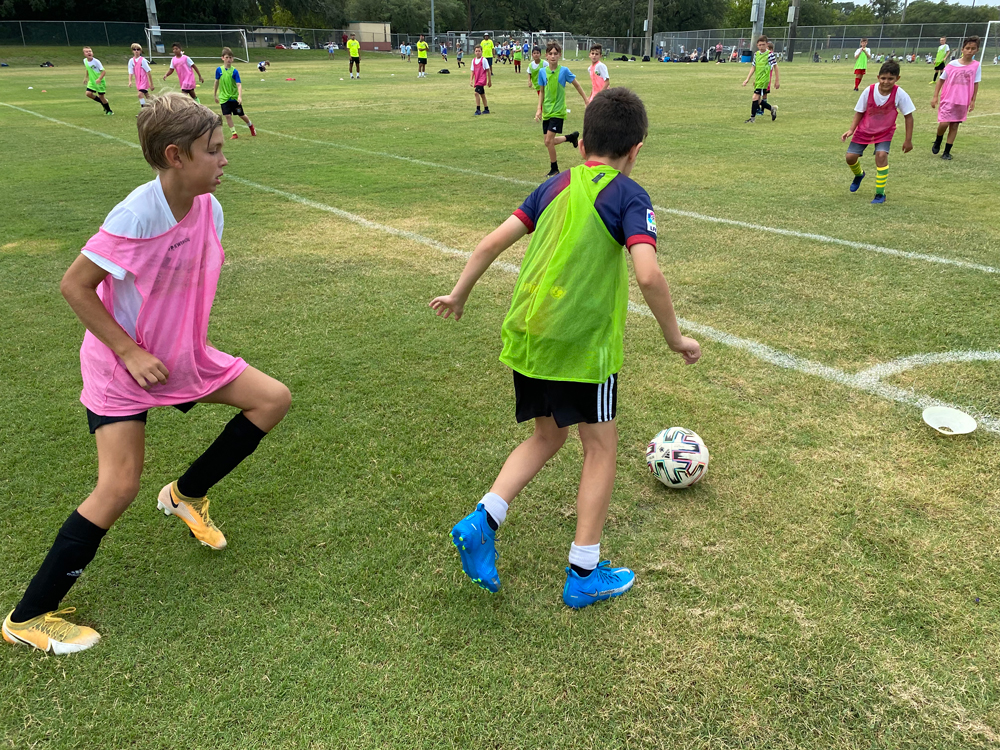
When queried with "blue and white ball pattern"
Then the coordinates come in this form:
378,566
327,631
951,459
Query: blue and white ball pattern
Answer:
677,457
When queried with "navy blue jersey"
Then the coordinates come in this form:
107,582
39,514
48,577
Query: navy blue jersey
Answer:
624,207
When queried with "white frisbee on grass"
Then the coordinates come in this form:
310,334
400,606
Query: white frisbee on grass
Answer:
949,421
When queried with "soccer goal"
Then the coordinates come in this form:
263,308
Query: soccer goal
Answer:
198,44
989,54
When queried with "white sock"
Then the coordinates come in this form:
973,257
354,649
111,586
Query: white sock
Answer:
142,102
585,557
495,506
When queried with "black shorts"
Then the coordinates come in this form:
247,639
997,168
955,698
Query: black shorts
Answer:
232,107
940,66
553,124
189,92
143,91
567,402
489,60
421,61
481,90
96,420
356,61
95,91
761,92
261,68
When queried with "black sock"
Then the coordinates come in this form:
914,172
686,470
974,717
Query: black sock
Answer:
74,547
947,147
492,523
107,107
764,105
582,572
555,166
98,101
477,108
937,141
238,440
934,79
753,110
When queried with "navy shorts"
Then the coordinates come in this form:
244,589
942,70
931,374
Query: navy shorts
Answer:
567,402
232,107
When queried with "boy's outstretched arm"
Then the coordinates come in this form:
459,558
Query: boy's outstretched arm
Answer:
79,287
486,252
656,292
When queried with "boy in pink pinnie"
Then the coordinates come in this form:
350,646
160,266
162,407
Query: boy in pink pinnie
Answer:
138,71
143,287
185,71
480,78
957,89
599,76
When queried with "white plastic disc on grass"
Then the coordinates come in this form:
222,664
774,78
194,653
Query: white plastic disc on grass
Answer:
30,88
949,421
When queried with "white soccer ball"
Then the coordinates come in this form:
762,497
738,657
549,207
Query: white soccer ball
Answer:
30,88
677,457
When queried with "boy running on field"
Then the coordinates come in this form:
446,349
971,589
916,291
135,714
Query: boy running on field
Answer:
862,55
875,122
957,89
563,335
143,286
552,80
772,62
354,56
599,76
184,67
480,78
138,71
941,58
422,48
96,86
760,70
229,93
458,55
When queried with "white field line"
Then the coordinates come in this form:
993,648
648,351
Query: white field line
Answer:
989,114
866,381
673,211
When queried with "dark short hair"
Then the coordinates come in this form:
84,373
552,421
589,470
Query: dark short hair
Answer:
537,49
972,40
553,46
596,46
891,67
761,38
177,45
613,122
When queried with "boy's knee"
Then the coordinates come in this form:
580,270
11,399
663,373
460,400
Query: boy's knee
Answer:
119,489
279,398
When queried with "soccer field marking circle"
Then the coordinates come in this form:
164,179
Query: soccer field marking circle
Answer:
864,381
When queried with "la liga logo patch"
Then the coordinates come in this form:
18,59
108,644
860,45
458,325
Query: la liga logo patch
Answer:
650,221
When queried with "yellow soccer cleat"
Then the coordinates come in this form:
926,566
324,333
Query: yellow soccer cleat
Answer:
193,512
50,633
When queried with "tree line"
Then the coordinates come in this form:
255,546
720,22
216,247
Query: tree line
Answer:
588,17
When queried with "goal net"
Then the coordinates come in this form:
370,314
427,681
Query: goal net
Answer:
566,41
989,54
198,44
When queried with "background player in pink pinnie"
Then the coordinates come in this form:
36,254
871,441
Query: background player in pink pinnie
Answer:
599,76
159,252
956,89
185,71
480,78
138,71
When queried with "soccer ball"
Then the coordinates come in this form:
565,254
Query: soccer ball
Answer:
677,457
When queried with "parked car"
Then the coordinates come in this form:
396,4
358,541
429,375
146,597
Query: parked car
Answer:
280,46
299,45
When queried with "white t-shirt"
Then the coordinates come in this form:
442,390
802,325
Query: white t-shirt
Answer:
131,66
958,63
602,70
859,51
903,102
143,214
95,64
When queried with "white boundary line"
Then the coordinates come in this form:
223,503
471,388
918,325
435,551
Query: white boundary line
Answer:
673,211
988,114
867,381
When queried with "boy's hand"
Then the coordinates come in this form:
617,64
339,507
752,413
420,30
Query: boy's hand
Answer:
216,100
145,368
744,84
972,105
239,99
934,104
200,79
688,348
907,146
777,85
848,134
448,305
538,114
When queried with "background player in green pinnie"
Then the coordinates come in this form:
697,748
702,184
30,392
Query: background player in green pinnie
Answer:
94,81
761,68
229,93
563,335
552,80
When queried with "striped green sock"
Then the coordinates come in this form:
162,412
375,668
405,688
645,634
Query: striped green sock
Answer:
856,168
881,175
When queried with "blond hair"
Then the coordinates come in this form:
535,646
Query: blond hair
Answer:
173,119
227,51
136,46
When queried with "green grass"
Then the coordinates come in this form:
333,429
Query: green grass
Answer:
831,584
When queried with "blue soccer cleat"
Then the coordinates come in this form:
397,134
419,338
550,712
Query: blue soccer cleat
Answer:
476,543
856,183
879,198
604,583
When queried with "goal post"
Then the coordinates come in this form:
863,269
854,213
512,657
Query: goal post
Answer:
990,49
198,44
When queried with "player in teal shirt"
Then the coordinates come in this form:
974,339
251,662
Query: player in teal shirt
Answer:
229,93
552,80
563,335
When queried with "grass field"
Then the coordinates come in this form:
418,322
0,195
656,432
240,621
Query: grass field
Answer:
832,583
